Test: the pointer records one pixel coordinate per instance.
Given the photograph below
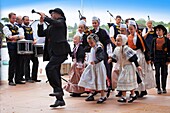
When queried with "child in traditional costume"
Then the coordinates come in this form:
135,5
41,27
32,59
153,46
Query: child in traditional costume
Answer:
108,48
94,75
127,80
161,57
137,43
77,69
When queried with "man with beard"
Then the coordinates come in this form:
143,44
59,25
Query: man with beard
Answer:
28,32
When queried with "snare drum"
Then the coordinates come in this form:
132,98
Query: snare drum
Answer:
39,49
25,46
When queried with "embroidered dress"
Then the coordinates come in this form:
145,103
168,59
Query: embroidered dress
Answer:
75,73
94,76
127,78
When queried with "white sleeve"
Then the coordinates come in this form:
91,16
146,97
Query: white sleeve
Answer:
7,32
21,31
35,35
109,50
144,32
112,31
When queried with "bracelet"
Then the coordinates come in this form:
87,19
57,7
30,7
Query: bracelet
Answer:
18,36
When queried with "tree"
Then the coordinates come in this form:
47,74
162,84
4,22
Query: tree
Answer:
5,19
75,26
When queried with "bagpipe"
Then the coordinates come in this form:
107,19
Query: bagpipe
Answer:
87,31
111,16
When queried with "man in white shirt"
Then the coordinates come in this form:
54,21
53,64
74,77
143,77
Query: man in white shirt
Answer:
115,29
13,33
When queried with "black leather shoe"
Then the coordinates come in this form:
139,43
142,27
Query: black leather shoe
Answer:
30,81
119,94
89,98
143,93
101,100
20,82
12,84
137,93
23,79
37,80
75,94
159,91
57,94
164,91
58,103
132,99
122,100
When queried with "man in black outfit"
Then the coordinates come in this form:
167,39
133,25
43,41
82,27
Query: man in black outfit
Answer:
56,50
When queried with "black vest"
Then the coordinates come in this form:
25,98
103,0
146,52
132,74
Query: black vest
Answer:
149,38
117,30
13,29
28,33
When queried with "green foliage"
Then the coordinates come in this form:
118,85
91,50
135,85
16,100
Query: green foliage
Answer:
5,19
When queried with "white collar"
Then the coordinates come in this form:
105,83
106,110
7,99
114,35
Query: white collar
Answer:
11,23
135,38
26,25
160,36
97,30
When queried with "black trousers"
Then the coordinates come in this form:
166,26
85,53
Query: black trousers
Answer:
53,72
13,69
22,62
34,67
161,66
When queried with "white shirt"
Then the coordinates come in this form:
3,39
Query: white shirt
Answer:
92,56
8,33
144,32
112,31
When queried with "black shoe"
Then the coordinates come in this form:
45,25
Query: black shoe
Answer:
20,82
137,93
159,91
164,91
75,94
122,100
57,94
30,81
23,79
101,100
119,94
143,93
89,98
58,103
12,84
37,80
132,99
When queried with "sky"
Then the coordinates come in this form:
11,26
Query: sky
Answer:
158,10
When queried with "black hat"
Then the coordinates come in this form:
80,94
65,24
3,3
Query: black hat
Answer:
57,10
161,27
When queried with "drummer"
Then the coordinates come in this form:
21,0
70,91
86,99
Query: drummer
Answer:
28,32
12,34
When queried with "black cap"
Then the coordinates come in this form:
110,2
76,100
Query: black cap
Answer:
160,27
59,11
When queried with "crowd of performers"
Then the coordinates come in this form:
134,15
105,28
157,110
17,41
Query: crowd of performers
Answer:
134,54
122,60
